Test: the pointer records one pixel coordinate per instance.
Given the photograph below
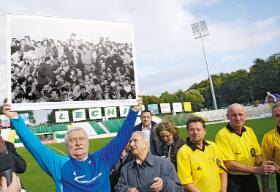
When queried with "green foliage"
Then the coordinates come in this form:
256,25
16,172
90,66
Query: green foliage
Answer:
168,98
265,76
195,98
150,100
179,119
237,84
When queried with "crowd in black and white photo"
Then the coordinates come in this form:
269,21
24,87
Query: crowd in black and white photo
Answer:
48,70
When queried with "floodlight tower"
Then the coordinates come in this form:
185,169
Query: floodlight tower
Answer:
200,30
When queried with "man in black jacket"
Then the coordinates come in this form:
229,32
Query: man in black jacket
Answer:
147,126
19,164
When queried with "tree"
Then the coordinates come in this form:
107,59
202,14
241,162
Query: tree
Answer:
196,98
168,98
204,88
150,99
51,117
265,76
235,88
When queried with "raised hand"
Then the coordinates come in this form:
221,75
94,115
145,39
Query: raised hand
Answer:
7,110
138,107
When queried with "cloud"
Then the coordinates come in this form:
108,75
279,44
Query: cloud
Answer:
167,55
232,57
242,35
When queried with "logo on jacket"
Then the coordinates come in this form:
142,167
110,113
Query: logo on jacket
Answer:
79,179
253,152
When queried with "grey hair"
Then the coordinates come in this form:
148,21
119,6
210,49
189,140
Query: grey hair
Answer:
143,135
66,138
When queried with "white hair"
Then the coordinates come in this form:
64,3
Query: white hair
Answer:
66,138
143,135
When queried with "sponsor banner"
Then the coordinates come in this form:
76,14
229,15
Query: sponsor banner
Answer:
95,113
187,106
79,115
61,116
25,117
124,110
165,108
153,108
110,112
5,121
177,107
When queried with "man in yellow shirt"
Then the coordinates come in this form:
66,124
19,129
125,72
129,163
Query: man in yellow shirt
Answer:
199,163
241,152
271,148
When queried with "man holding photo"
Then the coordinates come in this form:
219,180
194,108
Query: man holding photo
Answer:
80,170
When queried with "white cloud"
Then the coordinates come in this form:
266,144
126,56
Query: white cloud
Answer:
165,47
241,35
232,57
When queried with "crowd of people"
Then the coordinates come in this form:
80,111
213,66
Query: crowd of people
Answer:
48,70
152,157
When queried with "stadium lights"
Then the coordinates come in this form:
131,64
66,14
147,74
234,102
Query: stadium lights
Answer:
200,30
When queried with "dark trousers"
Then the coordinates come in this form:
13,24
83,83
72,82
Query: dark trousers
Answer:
278,182
243,183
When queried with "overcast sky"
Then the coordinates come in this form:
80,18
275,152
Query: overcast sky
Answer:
168,58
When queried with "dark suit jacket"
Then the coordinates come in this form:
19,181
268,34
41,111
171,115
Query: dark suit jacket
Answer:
116,171
162,149
19,165
152,137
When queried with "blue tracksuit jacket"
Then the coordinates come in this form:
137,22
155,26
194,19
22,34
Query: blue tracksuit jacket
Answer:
71,175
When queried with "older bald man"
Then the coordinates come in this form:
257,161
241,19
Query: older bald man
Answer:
241,152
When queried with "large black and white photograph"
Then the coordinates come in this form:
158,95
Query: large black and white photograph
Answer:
66,63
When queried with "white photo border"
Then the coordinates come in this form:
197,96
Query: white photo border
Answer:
66,104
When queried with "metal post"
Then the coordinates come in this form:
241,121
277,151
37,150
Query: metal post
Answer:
200,30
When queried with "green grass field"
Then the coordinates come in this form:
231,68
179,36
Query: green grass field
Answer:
35,180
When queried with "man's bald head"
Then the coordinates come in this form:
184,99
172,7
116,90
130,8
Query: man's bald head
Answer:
235,106
236,115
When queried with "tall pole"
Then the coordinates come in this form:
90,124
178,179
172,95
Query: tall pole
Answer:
200,30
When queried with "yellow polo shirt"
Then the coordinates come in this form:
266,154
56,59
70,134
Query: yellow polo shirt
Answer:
271,146
200,167
239,148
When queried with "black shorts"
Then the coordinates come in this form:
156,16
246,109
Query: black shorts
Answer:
243,183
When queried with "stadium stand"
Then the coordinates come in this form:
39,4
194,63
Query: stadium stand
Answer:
59,135
17,140
59,127
113,125
262,110
88,128
215,115
98,129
